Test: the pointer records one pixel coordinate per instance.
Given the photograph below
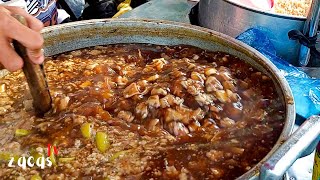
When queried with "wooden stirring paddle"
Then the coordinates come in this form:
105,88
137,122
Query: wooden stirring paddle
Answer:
35,77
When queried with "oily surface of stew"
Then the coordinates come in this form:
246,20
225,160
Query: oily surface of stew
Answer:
140,111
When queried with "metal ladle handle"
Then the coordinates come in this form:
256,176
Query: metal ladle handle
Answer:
35,77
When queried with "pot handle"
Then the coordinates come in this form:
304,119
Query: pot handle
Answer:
301,141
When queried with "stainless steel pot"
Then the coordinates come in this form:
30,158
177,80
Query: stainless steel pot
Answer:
232,19
62,38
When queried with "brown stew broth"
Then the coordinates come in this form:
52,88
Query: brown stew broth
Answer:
170,112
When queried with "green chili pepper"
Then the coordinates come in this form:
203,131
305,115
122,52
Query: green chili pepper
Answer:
118,154
102,142
52,157
22,132
6,156
86,130
35,154
36,177
66,160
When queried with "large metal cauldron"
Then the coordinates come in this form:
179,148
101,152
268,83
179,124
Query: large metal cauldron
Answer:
232,19
62,38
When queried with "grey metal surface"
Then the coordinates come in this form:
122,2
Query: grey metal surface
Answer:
302,142
72,36
302,168
310,29
313,72
233,19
